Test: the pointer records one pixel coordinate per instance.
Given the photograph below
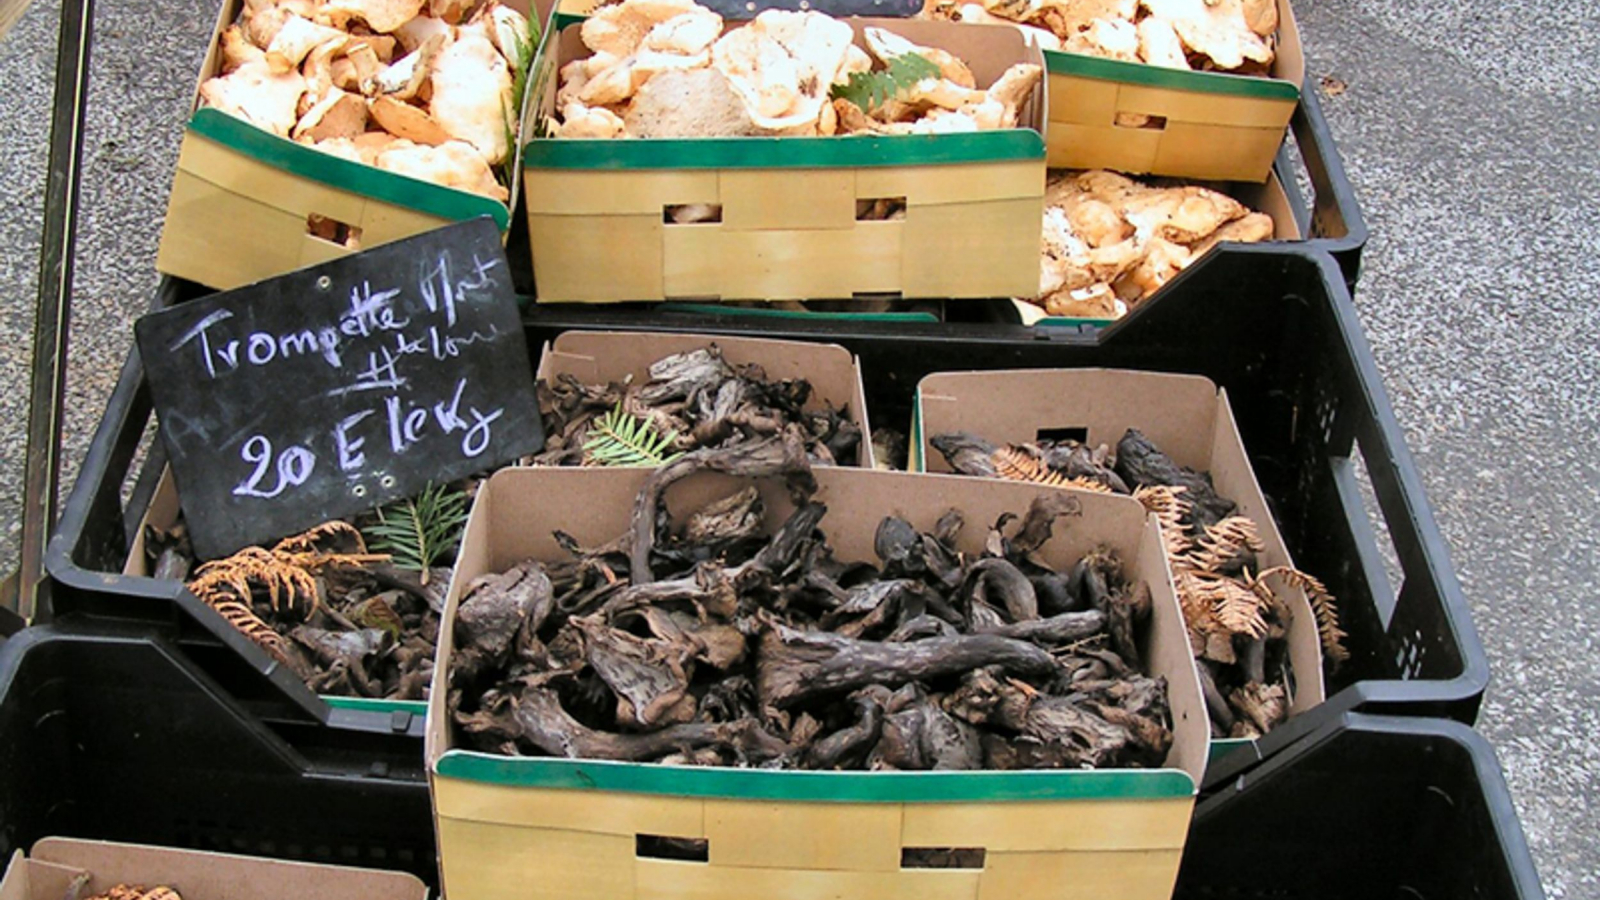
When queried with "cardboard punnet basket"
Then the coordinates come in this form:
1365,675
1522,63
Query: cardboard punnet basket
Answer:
163,513
1187,416
571,827
1269,197
1200,124
243,198
600,357
599,231
57,863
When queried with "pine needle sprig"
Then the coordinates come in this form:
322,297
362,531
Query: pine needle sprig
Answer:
870,90
618,439
418,532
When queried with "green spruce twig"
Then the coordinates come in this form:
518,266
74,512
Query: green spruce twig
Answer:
618,439
870,90
417,532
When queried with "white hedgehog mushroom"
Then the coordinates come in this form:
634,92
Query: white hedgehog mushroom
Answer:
382,16
455,164
257,94
472,94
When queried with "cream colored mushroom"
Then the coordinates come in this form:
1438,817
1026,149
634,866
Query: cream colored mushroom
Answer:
782,64
688,34
404,77
257,94
975,14
1214,28
336,115
472,95
297,38
419,30
886,46
509,32
1159,44
404,120
237,50
579,121
455,164
382,16
344,148
619,29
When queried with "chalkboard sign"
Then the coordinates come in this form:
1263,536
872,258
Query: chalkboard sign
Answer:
341,387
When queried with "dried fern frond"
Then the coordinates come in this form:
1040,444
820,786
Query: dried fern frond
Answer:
285,572
1322,604
1234,607
618,439
1016,465
247,623
317,539
417,532
1225,542
1170,509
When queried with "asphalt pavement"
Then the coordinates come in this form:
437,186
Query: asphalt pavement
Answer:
1469,130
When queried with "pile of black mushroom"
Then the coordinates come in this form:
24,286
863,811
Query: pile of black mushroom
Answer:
691,401
708,641
1237,622
347,621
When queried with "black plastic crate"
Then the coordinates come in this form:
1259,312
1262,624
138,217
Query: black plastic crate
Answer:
1364,807
110,733
1277,329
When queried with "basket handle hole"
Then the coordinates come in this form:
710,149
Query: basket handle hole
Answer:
942,857
1073,433
691,213
880,209
1141,121
661,846
333,231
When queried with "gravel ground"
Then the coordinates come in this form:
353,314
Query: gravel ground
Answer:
1469,130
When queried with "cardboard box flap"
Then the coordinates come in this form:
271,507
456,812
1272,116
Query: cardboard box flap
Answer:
1187,416
200,875
987,49
597,357
1090,405
513,518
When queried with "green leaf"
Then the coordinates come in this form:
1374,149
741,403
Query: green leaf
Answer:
418,532
870,90
618,439
519,90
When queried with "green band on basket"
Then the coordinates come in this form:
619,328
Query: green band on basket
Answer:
1063,63
344,174
784,152
818,787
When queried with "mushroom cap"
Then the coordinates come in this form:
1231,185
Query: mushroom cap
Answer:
382,16
401,119
336,115
454,164
620,28
258,95
472,95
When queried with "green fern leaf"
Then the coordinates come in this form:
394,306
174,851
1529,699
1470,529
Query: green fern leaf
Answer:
418,532
870,90
618,439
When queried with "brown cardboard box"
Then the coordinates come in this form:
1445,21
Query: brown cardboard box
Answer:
1185,415
598,357
789,228
1201,124
57,862
570,826
241,197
